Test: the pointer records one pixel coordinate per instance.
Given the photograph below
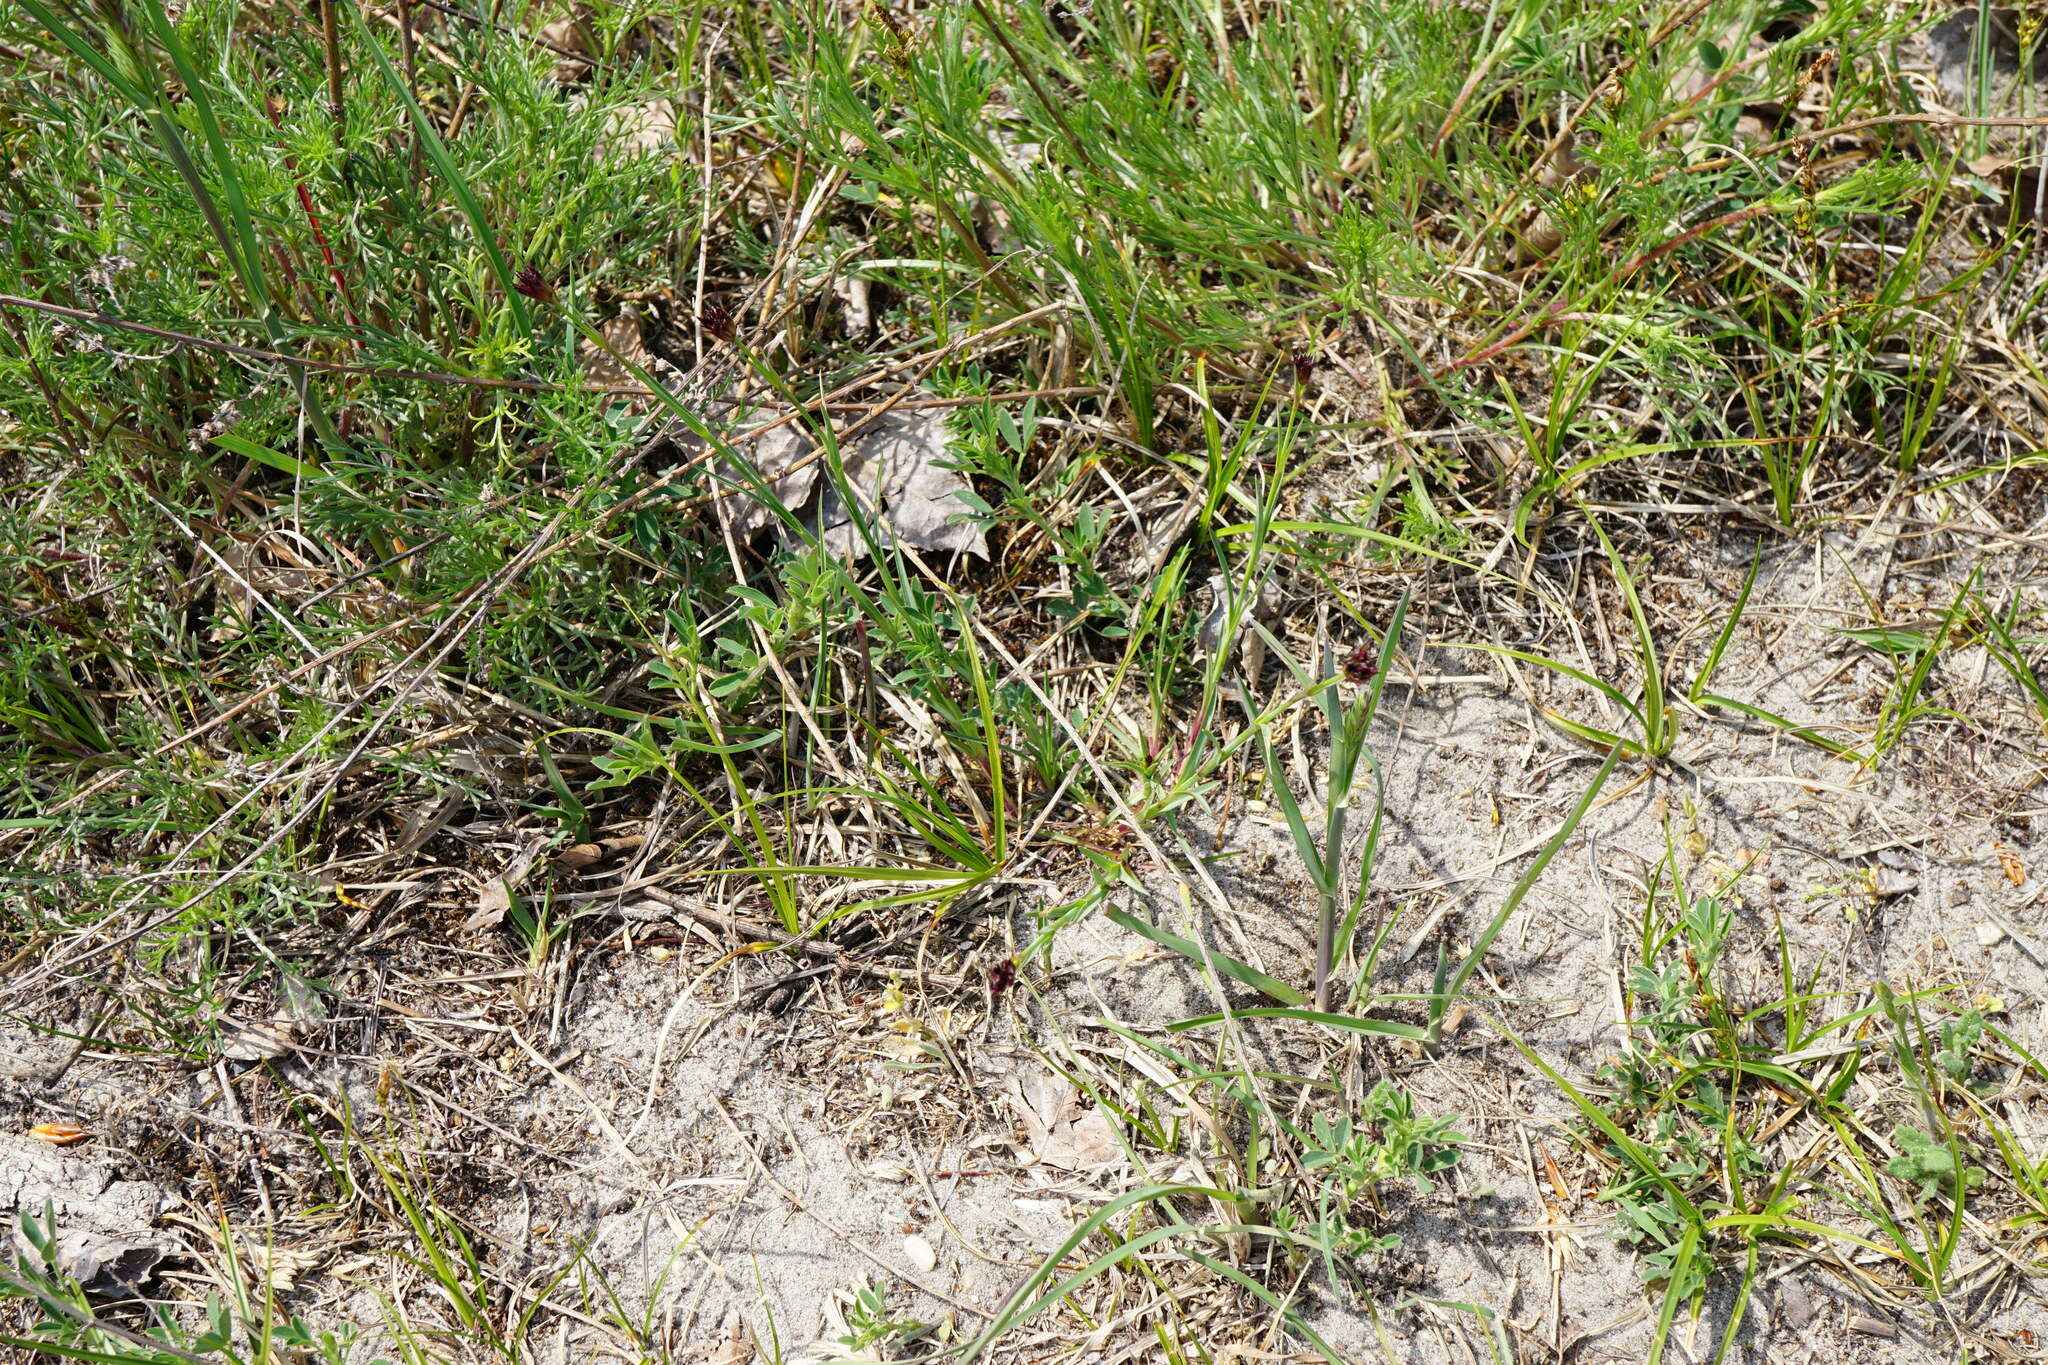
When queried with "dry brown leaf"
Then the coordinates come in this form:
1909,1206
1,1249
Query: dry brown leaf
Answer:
734,1349
578,856
58,1134
607,364
282,1266
112,1270
1539,235
903,465
2015,870
638,129
899,464
1059,1131
494,894
565,35
493,900
773,454
257,1041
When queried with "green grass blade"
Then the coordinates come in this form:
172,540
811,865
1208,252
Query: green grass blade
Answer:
1027,1300
1799,732
1385,1028
1688,1246
1641,1158
1604,688
1713,660
1522,887
451,174
262,454
1655,715
1223,963
1283,795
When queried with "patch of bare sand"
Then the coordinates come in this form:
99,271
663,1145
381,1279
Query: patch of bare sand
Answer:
716,1172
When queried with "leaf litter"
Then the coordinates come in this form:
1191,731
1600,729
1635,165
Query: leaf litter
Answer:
900,465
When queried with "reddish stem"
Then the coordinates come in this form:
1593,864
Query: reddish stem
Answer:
1650,257
319,235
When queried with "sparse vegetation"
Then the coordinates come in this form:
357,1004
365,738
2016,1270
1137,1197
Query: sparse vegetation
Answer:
592,594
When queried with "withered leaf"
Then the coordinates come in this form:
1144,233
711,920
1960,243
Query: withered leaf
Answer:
1058,1131
494,895
903,465
639,129
2015,870
282,1266
732,1349
606,364
493,900
112,1270
779,458
257,1041
578,856
899,464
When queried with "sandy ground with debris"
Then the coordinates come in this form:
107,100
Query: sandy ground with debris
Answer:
736,1169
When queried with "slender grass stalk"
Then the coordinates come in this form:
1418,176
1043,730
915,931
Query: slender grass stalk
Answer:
1440,1002
1720,646
1659,728
451,176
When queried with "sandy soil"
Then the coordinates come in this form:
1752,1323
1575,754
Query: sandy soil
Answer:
734,1168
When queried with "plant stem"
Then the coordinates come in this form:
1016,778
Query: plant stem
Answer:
1326,938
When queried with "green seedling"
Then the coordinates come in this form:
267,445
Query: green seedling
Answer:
1933,1166
871,1325
1916,651
1351,1161
1325,863
2010,650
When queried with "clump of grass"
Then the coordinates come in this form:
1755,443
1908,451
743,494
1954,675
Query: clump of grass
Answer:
1348,725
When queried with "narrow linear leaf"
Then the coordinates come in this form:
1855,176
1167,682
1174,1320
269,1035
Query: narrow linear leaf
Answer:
1385,1028
1772,718
1522,888
262,454
1027,1300
1222,962
437,152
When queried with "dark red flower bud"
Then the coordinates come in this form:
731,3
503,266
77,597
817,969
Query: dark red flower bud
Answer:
716,320
530,283
1360,666
1001,977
